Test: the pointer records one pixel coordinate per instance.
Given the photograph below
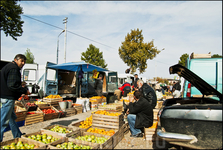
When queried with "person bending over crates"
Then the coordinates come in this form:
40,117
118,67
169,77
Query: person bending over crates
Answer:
140,115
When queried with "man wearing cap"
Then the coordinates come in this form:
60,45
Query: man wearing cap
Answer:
135,86
125,88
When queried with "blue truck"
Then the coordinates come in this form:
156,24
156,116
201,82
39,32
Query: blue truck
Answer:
209,69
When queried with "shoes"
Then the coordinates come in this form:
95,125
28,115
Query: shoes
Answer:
23,133
137,135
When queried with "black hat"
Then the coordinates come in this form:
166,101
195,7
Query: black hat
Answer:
135,74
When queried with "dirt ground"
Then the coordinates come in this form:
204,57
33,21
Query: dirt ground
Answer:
126,143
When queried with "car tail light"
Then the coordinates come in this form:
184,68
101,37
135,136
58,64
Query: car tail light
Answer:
189,90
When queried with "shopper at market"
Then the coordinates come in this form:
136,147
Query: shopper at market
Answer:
135,82
98,85
147,92
140,115
176,93
11,90
125,88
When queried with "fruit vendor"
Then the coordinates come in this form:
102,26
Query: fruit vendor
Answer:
140,115
98,85
11,90
125,88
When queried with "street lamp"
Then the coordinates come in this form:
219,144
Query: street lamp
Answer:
58,44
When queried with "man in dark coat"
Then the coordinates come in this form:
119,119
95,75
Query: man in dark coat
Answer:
98,85
135,87
140,115
11,90
148,93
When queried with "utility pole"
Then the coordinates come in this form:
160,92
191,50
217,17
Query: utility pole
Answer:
65,38
58,44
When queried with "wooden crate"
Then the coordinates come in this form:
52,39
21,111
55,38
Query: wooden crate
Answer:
34,118
41,132
61,134
70,111
114,122
52,115
159,104
107,145
28,141
99,100
78,108
75,126
76,142
18,103
150,133
28,108
192,56
155,112
20,113
52,101
115,107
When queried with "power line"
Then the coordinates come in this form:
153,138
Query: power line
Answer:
68,31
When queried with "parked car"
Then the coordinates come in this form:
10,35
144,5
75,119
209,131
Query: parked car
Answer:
193,122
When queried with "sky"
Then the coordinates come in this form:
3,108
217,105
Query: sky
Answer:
177,26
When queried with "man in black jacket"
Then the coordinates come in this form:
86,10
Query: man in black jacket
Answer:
147,92
140,115
98,85
11,90
135,87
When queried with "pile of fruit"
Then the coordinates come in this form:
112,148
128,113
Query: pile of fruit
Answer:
154,125
71,145
48,111
101,131
39,102
53,96
44,138
31,104
103,112
26,97
131,92
86,123
19,145
125,100
60,129
92,138
96,97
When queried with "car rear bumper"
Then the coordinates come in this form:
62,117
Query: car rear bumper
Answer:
175,137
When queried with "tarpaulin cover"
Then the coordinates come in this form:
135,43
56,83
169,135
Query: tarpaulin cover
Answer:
75,66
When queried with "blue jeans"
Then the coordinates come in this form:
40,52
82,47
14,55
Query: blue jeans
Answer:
8,117
131,120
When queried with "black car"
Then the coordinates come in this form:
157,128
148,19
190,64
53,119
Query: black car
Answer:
193,122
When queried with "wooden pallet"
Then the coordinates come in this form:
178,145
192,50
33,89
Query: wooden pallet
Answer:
61,134
107,145
52,115
23,140
76,142
114,122
34,118
20,113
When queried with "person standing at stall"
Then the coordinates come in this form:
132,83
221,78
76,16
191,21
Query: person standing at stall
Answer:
135,86
11,90
98,85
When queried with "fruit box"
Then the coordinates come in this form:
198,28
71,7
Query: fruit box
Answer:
114,107
150,133
77,142
116,138
20,113
51,115
120,135
78,108
23,140
155,112
61,134
28,107
41,132
34,118
75,126
52,99
114,122
106,145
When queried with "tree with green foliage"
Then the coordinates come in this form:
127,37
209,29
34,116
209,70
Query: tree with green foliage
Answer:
216,56
183,59
94,56
11,22
29,57
135,53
